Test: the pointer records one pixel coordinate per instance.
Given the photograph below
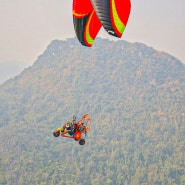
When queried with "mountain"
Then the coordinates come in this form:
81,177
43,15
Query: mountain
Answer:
135,96
9,70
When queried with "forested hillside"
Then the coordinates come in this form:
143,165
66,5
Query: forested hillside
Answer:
135,96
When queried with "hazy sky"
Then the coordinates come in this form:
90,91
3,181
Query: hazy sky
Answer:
27,27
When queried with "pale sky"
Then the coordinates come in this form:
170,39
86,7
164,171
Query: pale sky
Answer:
27,27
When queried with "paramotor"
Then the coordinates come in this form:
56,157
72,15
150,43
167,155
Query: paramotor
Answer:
75,130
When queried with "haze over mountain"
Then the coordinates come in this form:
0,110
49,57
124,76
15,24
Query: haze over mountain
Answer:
9,70
135,96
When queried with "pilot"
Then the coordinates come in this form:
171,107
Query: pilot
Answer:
69,127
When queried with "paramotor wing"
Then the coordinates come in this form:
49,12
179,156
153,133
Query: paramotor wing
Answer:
86,22
90,15
113,15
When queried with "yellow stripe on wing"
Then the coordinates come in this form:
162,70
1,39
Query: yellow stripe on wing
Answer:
118,23
78,15
89,39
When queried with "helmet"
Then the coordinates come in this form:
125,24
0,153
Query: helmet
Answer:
67,124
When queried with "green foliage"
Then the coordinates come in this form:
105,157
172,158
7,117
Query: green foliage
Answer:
135,96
